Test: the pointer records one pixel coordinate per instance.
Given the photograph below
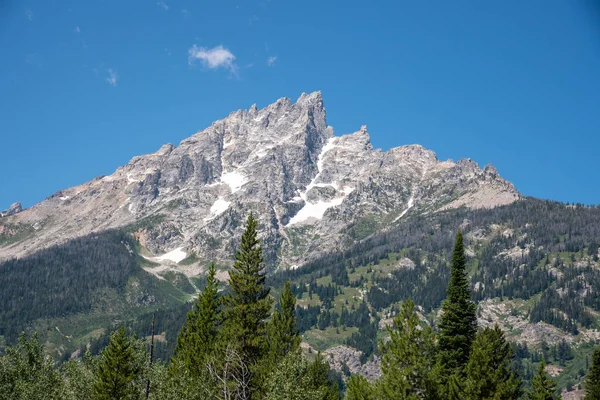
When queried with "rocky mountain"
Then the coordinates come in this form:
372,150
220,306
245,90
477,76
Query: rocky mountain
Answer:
314,192
370,228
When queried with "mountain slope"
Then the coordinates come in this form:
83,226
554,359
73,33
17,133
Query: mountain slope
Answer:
70,291
313,192
357,230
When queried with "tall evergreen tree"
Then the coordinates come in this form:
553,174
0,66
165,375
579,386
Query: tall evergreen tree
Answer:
249,305
542,386
407,364
117,370
489,374
198,337
283,334
458,324
592,379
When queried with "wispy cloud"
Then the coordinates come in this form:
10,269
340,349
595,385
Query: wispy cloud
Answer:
163,5
29,14
271,60
185,12
112,77
77,30
217,57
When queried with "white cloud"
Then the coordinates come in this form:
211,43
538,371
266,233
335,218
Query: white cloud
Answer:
112,77
185,12
77,30
163,5
271,60
217,57
29,14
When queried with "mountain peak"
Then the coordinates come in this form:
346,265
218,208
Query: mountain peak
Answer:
313,97
14,208
281,161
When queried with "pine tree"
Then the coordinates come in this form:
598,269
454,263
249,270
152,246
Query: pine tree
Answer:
489,374
407,363
248,306
283,334
359,388
592,379
458,324
198,337
542,386
117,370
318,377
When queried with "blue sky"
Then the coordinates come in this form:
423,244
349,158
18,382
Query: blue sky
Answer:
86,85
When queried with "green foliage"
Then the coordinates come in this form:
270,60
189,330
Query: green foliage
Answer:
592,379
332,286
359,388
283,336
294,378
198,337
319,376
458,324
489,373
27,374
408,359
145,223
118,370
248,306
175,382
79,377
168,322
543,387
62,280
13,233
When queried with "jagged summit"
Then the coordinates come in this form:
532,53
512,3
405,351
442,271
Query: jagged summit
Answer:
284,162
14,208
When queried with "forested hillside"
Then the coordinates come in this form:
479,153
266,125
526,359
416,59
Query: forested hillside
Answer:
235,345
91,282
532,267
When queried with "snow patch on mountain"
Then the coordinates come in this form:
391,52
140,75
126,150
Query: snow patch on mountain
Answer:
328,146
219,207
315,210
175,256
234,179
130,178
282,162
409,205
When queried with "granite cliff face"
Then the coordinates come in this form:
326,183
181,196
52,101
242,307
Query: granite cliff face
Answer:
313,192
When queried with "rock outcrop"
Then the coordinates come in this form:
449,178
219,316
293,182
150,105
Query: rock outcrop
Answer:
313,192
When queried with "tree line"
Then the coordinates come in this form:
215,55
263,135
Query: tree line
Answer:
236,345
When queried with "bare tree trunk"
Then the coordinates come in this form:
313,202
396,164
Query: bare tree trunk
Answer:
234,376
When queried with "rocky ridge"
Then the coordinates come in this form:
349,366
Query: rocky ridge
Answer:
313,192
